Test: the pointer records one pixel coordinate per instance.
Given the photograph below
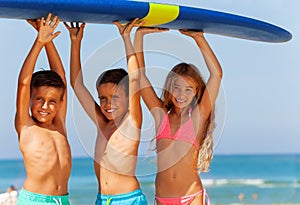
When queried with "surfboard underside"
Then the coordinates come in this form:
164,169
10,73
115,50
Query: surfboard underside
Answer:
159,15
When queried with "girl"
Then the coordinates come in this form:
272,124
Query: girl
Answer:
184,122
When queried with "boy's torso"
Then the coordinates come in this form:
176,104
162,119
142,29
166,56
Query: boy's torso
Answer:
47,159
116,152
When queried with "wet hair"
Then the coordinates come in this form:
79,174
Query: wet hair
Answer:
47,78
117,76
191,72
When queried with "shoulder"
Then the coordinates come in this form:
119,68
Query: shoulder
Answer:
100,119
21,124
198,117
159,114
59,123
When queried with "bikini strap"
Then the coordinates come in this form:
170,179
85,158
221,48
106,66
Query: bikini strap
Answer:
190,112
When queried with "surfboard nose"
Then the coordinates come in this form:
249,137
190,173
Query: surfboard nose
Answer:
230,25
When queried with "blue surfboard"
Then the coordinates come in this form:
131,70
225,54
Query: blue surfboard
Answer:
158,15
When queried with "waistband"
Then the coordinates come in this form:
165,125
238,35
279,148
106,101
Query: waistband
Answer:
120,197
43,198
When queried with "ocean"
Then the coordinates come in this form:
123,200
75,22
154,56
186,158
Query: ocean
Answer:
232,179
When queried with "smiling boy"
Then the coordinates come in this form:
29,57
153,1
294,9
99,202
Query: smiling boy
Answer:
42,131
118,119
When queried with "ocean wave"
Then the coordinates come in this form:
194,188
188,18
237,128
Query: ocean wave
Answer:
251,182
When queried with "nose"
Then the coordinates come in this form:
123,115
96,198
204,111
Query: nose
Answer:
179,93
108,103
45,105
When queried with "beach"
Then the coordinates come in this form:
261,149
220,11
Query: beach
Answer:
232,180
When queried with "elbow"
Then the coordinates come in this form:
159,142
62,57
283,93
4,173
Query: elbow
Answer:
72,84
135,77
135,80
220,74
24,82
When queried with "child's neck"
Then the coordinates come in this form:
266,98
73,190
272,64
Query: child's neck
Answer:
47,125
119,120
180,111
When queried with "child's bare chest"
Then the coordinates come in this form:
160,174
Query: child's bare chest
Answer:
44,144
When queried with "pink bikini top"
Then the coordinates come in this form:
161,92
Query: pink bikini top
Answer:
185,133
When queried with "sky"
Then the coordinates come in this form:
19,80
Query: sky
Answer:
258,106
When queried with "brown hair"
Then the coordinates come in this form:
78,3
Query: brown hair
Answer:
47,78
118,76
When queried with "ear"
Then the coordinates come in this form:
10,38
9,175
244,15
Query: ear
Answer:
61,102
62,99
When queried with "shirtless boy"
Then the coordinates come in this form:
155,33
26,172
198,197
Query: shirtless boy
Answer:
42,131
118,119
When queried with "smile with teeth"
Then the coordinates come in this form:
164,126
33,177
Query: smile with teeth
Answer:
110,111
180,101
43,113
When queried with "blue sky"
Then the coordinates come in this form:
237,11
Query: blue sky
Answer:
258,107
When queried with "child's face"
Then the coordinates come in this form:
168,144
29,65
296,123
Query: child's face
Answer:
45,103
183,91
113,100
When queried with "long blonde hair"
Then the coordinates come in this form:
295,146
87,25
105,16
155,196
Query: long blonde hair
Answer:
190,71
206,149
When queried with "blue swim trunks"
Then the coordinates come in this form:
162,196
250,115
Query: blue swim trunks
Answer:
30,198
131,198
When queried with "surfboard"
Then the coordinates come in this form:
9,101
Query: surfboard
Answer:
158,15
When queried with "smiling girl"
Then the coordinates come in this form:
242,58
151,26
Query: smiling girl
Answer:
184,124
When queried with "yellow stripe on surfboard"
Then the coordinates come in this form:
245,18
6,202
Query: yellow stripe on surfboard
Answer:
159,14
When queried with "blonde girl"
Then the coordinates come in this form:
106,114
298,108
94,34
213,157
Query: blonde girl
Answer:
184,123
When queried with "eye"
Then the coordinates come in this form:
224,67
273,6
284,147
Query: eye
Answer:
39,99
188,90
53,101
176,87
102,99
115,97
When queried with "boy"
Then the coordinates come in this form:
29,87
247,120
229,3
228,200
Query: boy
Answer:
42,131
118,119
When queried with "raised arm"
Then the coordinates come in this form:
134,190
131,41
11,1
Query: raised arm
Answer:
147,92
45,35
133,71
55,64
76,78
213,84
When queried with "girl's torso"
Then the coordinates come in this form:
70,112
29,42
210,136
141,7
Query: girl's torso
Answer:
177,156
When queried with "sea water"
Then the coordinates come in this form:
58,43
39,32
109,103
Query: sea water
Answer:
232,179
